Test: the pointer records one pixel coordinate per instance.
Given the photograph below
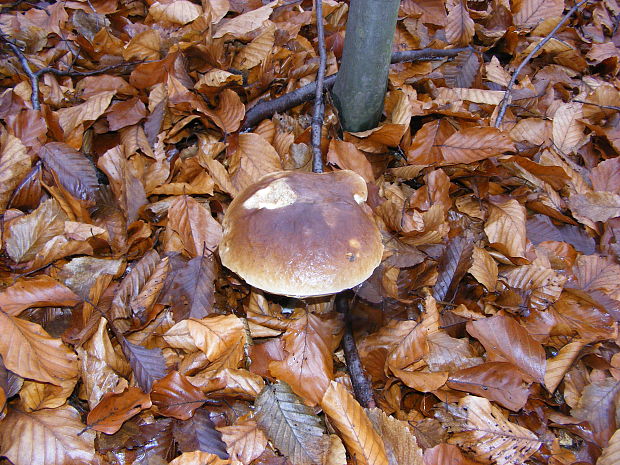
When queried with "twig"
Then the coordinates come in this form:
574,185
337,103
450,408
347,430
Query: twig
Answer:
361,385
606,107
34,76
267,108
317,117
507,94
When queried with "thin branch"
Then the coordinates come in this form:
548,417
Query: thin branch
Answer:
606,107
361,385
507,94
34,76
319,107
267,108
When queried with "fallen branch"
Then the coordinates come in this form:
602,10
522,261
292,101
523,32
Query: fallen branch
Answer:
317,116
267,108
34,76
359,381
503,106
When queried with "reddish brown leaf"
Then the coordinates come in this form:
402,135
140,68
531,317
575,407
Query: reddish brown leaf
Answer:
174,396
506,340
41,291
114,409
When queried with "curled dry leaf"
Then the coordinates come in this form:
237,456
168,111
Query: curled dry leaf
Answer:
114,409
559,365
611,453
484,268
597,405
595,206
400,443
177,12
71,117
460,26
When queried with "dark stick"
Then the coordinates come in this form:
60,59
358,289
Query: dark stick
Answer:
34,76
361,385
507,94
606,107
267,108
317,117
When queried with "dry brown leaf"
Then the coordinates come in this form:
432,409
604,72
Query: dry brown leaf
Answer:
484,268
246,22
245,440
36,396
497,381
143,46
506,340
308,365
473,144
198,230
460,26
40,291
199,458
543,284
257,157
71,117
177,12
256,51
400,443
444,454
528,13
567,129
611,453
487,433
505,226
212,335
362,441
595,206
46,437
559,365
114,409
597,405
29,233
14,164
347,156
174,396
30,352
230,111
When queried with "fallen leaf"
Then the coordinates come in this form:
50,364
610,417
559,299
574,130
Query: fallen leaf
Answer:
114,409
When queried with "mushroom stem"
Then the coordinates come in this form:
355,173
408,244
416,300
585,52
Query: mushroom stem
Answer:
360,382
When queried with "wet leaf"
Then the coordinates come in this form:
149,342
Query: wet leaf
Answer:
148,365
199,434
174,396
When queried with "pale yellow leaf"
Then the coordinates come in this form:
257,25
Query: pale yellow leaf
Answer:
490,97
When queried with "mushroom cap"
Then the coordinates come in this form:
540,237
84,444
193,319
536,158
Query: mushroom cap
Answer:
302,234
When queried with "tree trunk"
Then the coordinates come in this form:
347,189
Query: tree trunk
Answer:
362,79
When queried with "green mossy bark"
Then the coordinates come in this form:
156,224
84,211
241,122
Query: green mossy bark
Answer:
362,79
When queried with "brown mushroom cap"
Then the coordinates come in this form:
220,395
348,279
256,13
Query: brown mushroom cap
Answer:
302,234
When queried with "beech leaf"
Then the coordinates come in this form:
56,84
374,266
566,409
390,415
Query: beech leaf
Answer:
114,409
174,396
148,365
199,434
292,426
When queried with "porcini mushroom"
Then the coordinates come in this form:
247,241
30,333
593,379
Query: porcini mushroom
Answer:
302,234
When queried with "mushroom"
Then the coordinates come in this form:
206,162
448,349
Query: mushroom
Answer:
302,234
